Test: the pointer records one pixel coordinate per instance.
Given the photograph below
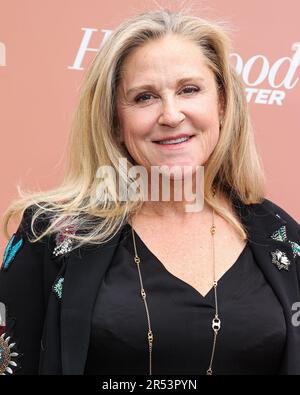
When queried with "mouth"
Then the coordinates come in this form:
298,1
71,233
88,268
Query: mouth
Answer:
172,143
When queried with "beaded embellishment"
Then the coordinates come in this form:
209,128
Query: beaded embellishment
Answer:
63,242
280,259
280,235
11,251
57,287
295,248
7,355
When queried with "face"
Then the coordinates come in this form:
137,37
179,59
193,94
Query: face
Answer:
167,91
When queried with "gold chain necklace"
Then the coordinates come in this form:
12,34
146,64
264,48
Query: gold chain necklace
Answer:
216,322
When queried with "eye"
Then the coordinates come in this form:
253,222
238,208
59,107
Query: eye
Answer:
143,97
190,89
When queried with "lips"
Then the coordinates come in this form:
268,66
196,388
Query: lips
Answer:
178,146
178,136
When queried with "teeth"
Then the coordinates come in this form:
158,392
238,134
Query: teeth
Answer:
176,141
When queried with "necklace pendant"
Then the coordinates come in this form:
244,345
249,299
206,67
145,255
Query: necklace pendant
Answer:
209,372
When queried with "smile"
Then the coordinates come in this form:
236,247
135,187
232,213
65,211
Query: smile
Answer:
174,144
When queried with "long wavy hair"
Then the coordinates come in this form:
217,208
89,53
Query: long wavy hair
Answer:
233,167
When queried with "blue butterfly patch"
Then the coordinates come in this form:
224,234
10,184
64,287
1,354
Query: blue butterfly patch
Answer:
11,251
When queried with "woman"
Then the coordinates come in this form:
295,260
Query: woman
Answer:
145,286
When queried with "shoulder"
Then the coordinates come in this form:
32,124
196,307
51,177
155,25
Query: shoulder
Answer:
23,244
32,222
264,218
265,208
22,293
281,213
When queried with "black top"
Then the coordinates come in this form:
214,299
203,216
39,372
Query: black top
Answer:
251,339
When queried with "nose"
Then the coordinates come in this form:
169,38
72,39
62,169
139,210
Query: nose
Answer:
171,115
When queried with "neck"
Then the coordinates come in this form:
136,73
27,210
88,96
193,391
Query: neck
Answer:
171,210
176,210
180,197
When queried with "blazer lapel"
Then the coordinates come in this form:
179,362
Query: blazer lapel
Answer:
84,273
261,223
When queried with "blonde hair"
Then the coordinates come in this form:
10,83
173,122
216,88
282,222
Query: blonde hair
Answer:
233,168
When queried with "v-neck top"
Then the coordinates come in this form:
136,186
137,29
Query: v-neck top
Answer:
253,329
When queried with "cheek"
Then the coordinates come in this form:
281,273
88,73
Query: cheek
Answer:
204,111
138,124
206,121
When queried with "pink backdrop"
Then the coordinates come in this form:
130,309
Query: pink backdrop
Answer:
45,47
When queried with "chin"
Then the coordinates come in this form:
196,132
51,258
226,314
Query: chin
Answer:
179,171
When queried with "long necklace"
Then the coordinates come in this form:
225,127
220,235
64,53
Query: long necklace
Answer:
216,322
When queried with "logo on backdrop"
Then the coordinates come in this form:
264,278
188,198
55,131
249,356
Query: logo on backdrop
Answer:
2,55
271,75
84,46
269,86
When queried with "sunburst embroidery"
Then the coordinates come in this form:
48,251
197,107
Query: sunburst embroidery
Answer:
7,355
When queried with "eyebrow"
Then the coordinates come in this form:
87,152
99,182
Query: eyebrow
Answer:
178,82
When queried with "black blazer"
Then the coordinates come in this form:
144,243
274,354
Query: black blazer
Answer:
52,333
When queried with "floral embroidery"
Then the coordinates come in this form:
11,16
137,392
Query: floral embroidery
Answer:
280,259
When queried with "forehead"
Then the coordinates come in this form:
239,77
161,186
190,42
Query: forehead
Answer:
169,57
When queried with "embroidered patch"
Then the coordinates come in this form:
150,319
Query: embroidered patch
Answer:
63,242
7,355
295,248
11,251
57,287
280,234
280,259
